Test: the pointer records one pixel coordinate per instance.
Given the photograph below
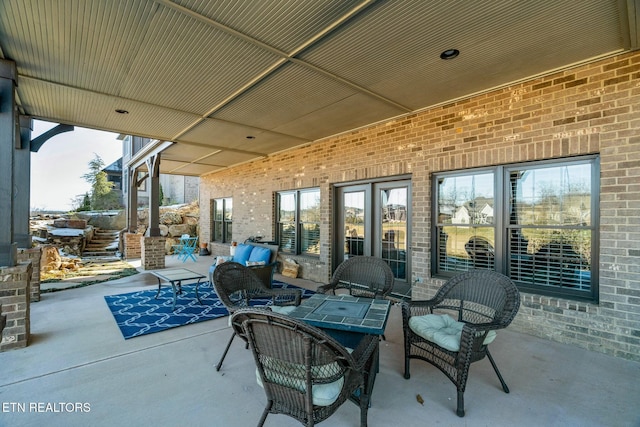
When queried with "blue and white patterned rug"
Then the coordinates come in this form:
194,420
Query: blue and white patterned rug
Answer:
140,313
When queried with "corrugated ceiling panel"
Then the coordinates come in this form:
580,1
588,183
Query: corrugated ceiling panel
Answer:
283,24
394,48
229,158
217,161
217,133
290,92
67,105
187,153
80,60
195,170
147,120
192,169
190,66
76,43
339,117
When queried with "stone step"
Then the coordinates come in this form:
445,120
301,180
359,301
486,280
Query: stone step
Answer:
103,258
103,245
89,254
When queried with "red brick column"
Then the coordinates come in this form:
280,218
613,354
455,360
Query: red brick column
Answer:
34,255
15,301
132,246
152,252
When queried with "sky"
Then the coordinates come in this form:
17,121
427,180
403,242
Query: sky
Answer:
57,168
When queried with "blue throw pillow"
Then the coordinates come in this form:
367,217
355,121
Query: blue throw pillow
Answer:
260,254
242,253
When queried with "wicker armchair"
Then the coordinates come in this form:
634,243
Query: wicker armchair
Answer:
237,285
305,373
482,301
363,276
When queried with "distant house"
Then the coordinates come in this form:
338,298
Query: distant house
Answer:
176,189
486,214
114,174
461,216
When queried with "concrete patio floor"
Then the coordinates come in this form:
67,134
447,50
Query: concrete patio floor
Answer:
77,356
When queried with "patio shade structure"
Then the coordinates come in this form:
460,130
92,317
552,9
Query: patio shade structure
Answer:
232,82
218,84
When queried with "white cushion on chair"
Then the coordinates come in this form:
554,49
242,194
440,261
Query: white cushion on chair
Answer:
442,330
282,309
323,394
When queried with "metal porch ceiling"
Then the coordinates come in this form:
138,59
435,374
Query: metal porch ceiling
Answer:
207,74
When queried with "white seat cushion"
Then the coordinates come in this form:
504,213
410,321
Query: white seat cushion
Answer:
442,330
323,394
282,309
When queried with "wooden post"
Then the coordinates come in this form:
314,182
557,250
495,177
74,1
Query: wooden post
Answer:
8,143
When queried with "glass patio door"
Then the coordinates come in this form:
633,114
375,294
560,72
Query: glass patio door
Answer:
353,223
391,227
373,219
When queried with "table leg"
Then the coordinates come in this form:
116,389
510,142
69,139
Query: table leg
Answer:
175,293
158,293
374,369
351,340
197,295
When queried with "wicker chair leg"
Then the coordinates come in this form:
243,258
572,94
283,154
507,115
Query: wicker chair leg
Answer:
495,368
219,365
407,374
265,413
364,407
460,410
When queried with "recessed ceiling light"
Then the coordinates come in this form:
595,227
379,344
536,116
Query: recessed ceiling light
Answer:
449,54
121,111
251,137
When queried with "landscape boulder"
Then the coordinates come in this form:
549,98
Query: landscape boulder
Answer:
51,259
170,218
168,245
177,230
78,224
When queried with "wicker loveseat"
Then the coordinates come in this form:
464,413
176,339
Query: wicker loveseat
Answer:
262,258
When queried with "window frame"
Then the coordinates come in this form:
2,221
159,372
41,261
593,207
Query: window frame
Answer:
298,224
225,223
503,227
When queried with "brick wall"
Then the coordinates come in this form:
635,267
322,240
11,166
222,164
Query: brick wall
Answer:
590,109
15,302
